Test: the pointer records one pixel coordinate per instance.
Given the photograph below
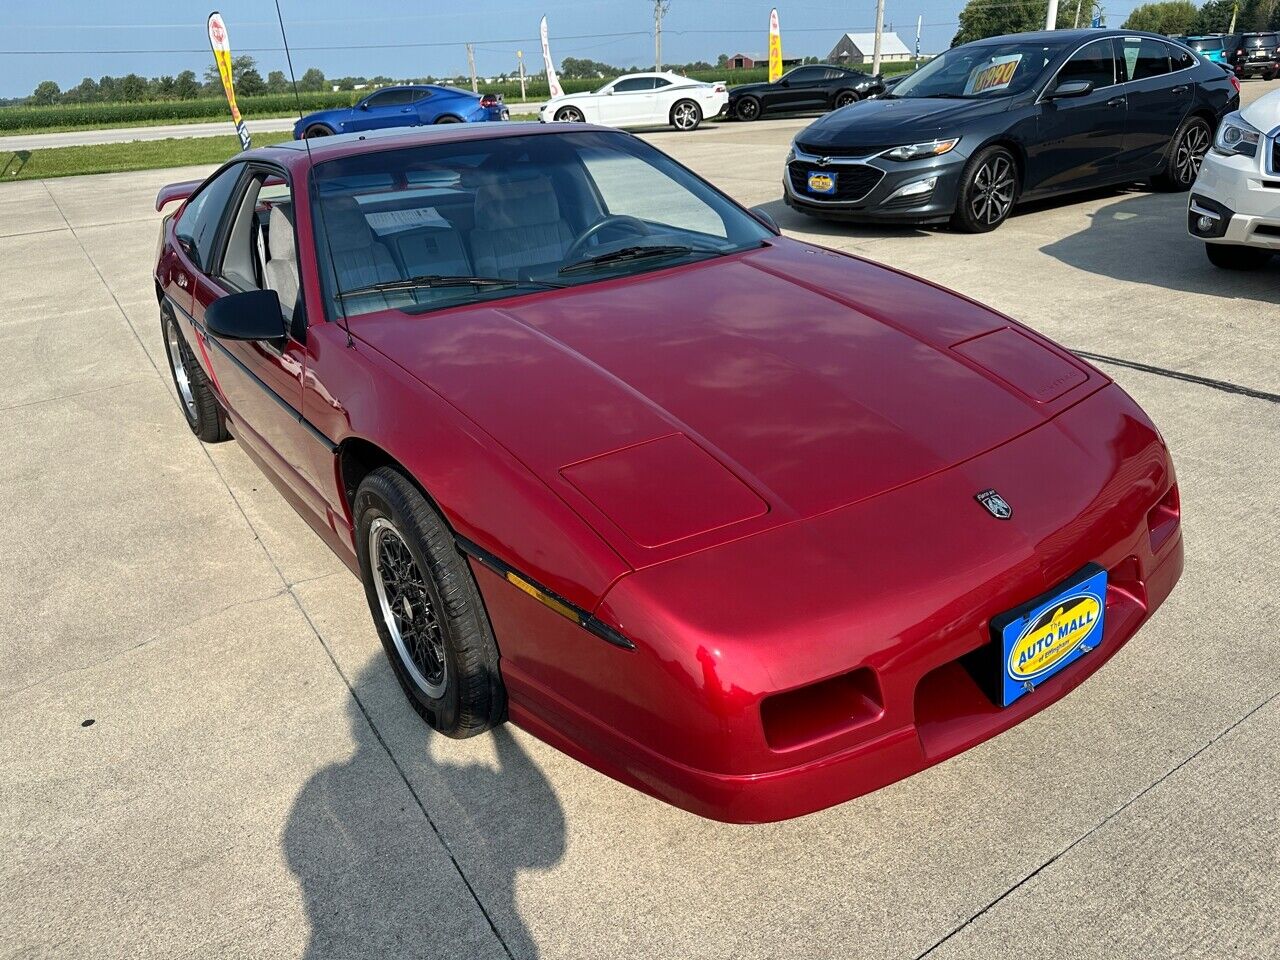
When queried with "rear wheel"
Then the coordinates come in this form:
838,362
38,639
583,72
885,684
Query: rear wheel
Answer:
447,119
988,189
748,109
1186,152
570,115
426,607
195,396
316,130
845,97
1230,256
686,115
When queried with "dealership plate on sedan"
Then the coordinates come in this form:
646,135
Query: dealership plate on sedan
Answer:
822,182
1044,636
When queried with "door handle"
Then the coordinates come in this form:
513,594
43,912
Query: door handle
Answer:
1116,102
1181,88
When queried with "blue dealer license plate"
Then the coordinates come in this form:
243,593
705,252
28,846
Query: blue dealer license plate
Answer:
1044,636
822,183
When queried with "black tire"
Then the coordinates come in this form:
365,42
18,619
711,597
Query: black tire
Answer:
447,118
570,115
1183,156
195,397
844,98
465,696
747,109
1269,75
1231,256
316,130
685,116
988,191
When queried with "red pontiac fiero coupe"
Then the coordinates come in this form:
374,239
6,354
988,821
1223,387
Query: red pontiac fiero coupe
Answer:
750,525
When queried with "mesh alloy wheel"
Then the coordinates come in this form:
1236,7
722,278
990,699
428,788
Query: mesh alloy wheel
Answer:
1190,152
994,185
570,115
406,608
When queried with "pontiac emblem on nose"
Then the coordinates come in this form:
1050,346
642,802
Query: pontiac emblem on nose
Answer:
996,505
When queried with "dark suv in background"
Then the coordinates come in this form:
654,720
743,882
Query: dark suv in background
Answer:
1257,55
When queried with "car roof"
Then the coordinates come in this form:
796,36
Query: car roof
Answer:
1062,38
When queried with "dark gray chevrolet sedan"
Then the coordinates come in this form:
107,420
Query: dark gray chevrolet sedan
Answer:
1020,117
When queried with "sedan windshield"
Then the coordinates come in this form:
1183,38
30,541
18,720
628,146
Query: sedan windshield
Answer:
979,70
440,225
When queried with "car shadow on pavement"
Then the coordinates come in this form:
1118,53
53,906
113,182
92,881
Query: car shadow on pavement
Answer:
368,856
1142,238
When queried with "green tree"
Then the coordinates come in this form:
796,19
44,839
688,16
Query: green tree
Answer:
312,81
239,67
132,88
250,83
45,93
277,82
981,18
86,91
1170,17
185,85
1215,17
164,87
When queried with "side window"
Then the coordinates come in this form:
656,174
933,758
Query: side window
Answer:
834,74
1181,58
420,95
391,98
1142,57
260,252
1094,62
806,75
633,84
660,82
197,227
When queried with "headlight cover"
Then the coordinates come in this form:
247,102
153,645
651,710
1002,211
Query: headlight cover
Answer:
1236,137
918,151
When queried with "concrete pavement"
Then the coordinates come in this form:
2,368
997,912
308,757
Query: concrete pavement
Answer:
253,784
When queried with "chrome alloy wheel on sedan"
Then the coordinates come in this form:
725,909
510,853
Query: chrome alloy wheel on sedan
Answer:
570,115
1189,153
994,186
406,608
181,378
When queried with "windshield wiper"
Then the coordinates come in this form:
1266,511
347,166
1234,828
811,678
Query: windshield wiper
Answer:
439,280
634,253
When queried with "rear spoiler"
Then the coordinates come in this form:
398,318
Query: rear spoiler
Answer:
175,191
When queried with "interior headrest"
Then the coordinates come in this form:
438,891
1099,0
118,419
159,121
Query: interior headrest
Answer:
280,235
503,204
346,225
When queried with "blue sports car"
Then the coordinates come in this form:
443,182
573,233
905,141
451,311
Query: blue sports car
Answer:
408,106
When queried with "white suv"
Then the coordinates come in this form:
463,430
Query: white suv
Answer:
1235,201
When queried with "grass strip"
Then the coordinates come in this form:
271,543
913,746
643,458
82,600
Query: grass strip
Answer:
119,157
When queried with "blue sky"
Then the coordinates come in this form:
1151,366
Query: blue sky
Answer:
74,37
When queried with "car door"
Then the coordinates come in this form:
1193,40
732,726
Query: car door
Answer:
798,90
260,381
1158,100
386,108
630,102
1079,139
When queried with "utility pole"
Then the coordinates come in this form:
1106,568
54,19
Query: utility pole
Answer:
520,58
471,63
1051,18
875,57
1079,4
660,7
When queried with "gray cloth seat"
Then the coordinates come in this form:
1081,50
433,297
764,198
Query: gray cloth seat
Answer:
359,258
281,269
518,225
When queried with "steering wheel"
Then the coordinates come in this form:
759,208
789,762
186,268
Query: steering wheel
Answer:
613,220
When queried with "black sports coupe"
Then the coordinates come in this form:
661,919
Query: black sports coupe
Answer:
991,123
816,86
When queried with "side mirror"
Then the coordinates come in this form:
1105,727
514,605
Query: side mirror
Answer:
784,83
363,104
1070,89
255,315
763,215
609,92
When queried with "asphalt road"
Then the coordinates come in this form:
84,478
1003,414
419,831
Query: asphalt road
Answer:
252,783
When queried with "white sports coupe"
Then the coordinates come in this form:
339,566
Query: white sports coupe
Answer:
641,100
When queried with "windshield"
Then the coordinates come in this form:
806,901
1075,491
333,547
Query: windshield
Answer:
436,226
979,70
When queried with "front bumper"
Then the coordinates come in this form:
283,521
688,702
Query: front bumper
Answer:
882,179
723,632
1241,198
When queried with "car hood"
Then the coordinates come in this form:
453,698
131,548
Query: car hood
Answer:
898,121
702,402
1264,113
